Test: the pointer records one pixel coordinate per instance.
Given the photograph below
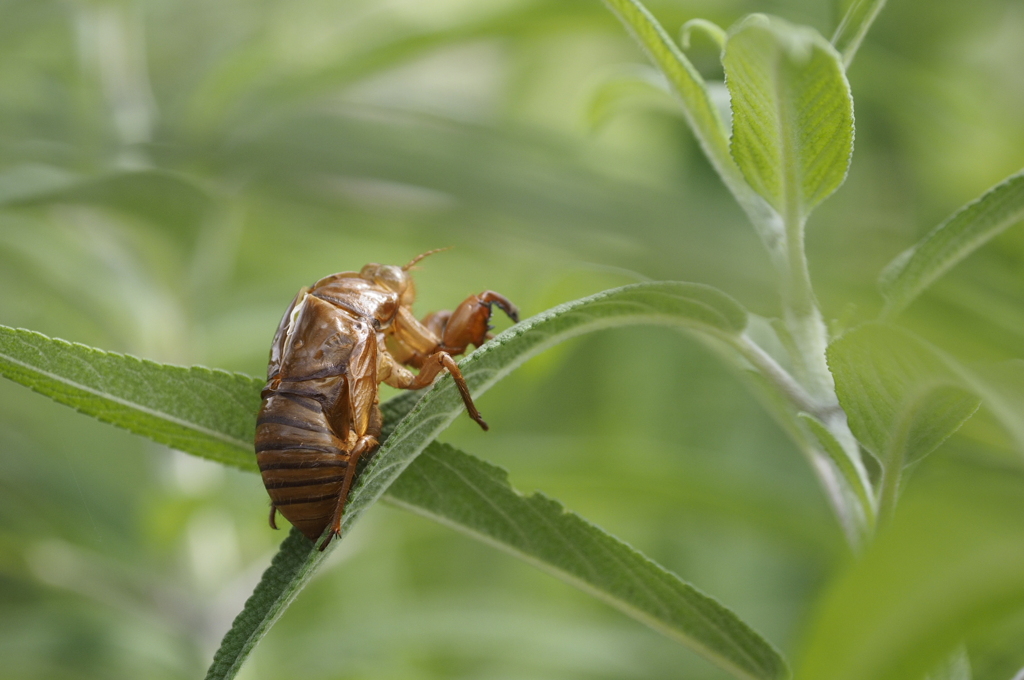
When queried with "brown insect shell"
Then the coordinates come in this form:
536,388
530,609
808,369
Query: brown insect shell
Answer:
326,350
336,342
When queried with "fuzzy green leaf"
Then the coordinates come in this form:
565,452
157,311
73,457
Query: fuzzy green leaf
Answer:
698,105
961,234
845,481
213,414
688,305
858,15
792,127
206,412
902,396
475,498
294,564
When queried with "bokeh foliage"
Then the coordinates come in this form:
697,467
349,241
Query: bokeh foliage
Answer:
171,172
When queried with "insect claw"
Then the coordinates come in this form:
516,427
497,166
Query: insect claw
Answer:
327,541
504,304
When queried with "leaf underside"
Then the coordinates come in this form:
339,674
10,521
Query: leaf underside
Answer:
898,391
792,131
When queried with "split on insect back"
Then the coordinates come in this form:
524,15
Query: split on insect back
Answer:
336,343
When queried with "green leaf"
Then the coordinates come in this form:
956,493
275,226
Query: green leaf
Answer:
792,127
858,16
294,564
842,482
944,570
961,234
212,414
709,28
475,498
206,412
902,396
1001,387
691,306
698,105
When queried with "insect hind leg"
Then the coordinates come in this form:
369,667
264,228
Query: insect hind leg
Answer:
366,444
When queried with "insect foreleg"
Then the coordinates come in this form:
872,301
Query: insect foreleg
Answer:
469,323
435,322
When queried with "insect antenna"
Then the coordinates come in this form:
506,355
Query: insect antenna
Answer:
419,257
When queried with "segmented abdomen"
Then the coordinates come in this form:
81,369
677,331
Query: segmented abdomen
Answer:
302,461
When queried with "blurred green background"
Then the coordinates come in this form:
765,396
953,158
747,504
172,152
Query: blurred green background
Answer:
172,171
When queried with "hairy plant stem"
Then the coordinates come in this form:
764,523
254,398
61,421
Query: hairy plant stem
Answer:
808,341
893,463
802,317
812,389
777,375
889,491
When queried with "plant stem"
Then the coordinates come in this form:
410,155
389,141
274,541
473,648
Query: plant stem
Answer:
777,375
893,461
889,489
802,317
808,343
